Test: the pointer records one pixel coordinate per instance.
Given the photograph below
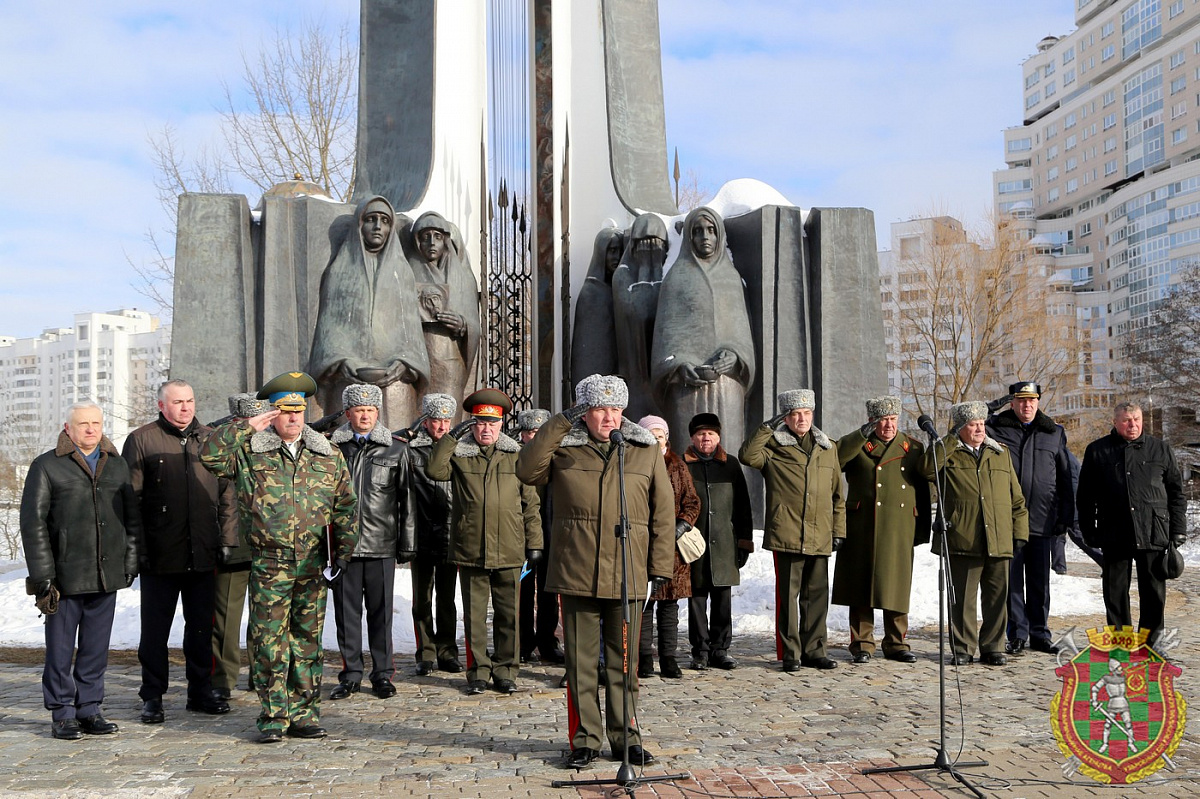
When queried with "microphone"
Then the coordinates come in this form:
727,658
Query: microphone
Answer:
926,424
617,437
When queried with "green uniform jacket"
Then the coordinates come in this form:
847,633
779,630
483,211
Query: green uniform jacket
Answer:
805,511
585,556
289,502
494,517
887,514
984,506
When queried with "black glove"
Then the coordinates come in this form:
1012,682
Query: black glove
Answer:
867,429
838,543
42,588
533,556
997,404
335,576
775,420
461,428
224,555
129,578
1060,529
658,583
575,413
743,555
406,556
1018,544
681,527
1178,540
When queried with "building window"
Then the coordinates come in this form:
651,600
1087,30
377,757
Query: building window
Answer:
1048,70
1177,59
1069,77
1068,56
1110,144
1072,185
1178,85
1020,145
1051,89
1176,9
1071,164
1032,79
1033,100
1069,121
1052,174
1052,152
1052,195
1110,167
1178,110
1179,135
1108,52
1085,229
1069,144
1106,30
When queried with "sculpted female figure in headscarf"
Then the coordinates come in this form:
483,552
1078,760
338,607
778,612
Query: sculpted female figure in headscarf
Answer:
703,356
367,328
635,287
593,345
448,300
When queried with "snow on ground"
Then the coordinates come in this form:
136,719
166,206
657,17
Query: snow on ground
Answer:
753,602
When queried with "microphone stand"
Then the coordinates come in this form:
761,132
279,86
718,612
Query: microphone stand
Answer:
625,779
942,761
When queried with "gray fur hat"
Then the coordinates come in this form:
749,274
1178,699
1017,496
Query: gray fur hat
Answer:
532,418
879,407
252,406
357,394
438,406
235,402
797,398
965,412
603,391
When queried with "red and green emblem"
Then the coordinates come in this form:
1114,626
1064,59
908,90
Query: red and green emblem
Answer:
1118,716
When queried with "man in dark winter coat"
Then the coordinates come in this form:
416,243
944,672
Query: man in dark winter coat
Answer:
727,523
1038,447
1132,506
378,467
184,507
887,514
80,524
434,577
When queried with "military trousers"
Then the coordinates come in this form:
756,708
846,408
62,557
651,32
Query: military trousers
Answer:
582,617
1029,590
862,631
975,578
502,587
370,582
801,605
159,595
229,601
287,611
435,616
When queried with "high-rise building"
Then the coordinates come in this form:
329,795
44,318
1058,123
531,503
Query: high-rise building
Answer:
115,359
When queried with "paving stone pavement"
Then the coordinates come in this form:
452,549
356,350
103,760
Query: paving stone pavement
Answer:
752,732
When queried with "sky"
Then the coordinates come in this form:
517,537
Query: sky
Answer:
896,107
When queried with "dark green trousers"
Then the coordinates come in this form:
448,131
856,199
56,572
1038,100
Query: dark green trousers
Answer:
801,605
976,577
582,617
503,588
229,601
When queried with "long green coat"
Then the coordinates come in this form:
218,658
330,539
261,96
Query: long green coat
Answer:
805,510
495,517
887,514
985,509
726,519
585,556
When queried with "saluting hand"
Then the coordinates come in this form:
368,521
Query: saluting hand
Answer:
263,420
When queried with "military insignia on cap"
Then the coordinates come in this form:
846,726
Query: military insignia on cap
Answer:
488,403
1025,390
965,412
603,391
289,391
438,406
799,398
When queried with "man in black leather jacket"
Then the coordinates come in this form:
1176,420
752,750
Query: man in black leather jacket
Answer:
378,466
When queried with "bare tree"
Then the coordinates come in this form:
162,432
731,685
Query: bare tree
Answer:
1169,349
692,193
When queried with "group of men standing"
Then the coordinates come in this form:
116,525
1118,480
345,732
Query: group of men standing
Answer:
467,503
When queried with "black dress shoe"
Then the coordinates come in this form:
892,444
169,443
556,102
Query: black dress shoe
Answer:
645,672
504,686
344,689
270,737
563,682
822,663
993,659
527,657
306,731
424,668
699,663
580,758
554,656
1042,645
97,725
670,669
1015,647
383,689
722,660
960,660
450,665
903,656
213,707
637,756
476,687
791,665
152,711
222,694
861,657
66,730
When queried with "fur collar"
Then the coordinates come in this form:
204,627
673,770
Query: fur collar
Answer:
988,442
66,446
635,434
269,441
379,435
1041,422
421,439
787,438
690,455
467,448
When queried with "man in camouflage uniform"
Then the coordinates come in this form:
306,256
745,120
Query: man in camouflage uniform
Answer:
295,484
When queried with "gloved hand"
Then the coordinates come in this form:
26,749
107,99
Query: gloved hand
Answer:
1178,540
775,420
533,556
575,413
838,543
461,428
335,576
42,588
742,557
867,429
406,556
1060,529
46,598
658,583
412,428
224,555
129,578
1018,544
997,404
681,527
